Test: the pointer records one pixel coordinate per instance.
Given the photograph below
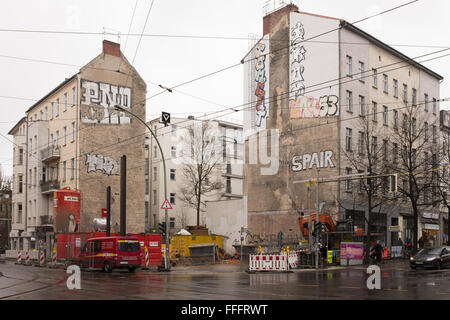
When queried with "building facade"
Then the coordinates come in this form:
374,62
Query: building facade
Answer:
309,100
224,139
73,138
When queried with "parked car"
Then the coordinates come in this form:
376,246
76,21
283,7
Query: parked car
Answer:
432,257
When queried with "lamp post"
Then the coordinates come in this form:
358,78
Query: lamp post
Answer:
166,253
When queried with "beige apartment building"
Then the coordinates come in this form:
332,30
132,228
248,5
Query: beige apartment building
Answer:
306,100
73,138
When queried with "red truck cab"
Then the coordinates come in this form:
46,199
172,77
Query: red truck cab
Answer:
110,253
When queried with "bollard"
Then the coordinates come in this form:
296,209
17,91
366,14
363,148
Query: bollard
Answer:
27,258
146,259
19,257
41,259
53,265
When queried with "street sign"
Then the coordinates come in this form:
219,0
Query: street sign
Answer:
166,205
165,118
394,228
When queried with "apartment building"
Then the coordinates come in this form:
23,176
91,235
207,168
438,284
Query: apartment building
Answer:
73,138
307,101
224,138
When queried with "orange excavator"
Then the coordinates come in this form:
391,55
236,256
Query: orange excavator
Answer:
325,218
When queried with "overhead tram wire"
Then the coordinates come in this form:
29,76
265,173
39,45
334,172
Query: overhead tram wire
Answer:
129,29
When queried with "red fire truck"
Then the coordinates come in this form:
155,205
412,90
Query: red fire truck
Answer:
110,253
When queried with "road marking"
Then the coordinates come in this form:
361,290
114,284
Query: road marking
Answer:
395,289
349,287
307,285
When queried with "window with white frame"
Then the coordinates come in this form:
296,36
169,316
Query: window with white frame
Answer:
349,66
348,139
374,78
349,101
361,143
348,183
374,110
385,83
64,135
385,115
426,101
172,198
173,152
405,92
414,97
65,102
362,106
72,168
74,97
395,88
57,107
73,131
434,105
361,71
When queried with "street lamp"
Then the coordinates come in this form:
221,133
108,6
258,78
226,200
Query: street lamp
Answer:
166,253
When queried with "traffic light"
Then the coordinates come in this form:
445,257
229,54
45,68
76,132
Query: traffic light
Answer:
162,227
322,227
316,229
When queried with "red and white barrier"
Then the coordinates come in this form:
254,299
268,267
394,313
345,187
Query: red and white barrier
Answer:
268,262
41,259
146,258
27,258
54,258
19,257
293,259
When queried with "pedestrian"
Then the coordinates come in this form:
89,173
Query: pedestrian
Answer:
421,243
376,252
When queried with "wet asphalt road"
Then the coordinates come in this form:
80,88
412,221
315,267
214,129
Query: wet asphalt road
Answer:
224,282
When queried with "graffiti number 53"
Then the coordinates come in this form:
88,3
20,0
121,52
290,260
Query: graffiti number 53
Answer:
328,105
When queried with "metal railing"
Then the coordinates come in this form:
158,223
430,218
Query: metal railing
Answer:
50,153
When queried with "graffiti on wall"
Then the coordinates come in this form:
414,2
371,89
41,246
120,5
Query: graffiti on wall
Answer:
302,106
96,162
260,79
98,100
322,159
310,107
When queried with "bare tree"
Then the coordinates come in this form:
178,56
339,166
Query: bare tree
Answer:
370,158
201,166
418,154
443,175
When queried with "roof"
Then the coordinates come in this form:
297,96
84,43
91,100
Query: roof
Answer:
53,91
16,125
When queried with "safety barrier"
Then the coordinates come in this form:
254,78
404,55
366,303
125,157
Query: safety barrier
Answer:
42,259
19,257
146,262
269,262
27,258
53,265
293,259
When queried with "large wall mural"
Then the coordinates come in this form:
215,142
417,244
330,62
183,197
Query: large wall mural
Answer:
99,162
98,100
306,63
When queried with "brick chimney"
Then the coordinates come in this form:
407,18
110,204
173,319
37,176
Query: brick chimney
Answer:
111,48
272,18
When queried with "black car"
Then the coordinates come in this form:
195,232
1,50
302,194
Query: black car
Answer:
432,257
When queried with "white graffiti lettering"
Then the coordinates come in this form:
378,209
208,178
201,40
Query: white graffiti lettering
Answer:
260,79
98,100
310,107
96,162
297,55
307,161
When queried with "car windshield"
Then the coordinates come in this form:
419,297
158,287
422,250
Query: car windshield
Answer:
431,251
128,245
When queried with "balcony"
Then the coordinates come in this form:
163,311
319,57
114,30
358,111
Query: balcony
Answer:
50,153
46,220
48,187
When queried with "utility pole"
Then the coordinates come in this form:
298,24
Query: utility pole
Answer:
317,221
123,195
108,211
25,181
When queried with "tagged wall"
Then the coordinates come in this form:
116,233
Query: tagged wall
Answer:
312,63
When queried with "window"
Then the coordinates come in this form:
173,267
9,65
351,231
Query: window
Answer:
53,111
154,197
51,139
73,96
57,172
414,98
434,130
64,168
31,145
374,77
414,126
405,93
361,71
46,113
229,168
155,173
395,88
361,143
172,223
385,149
405,122
385,186
348,139
72,169
434,105
146,186
65,102
425,131
19,213
425,101
172,198
41,115
385,115
374,146
362,106
155,152
348,183
57,107
395,152
172,174
349,66
73,132
35,144
228,187
174,130
349,101
374,111
385,83
395,119
20,156
30,177
20,189
57,138
173,152
64,135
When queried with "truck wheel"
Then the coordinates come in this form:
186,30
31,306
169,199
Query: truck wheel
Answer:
131,269
107,267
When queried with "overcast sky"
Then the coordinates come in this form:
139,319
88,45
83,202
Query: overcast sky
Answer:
170,61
